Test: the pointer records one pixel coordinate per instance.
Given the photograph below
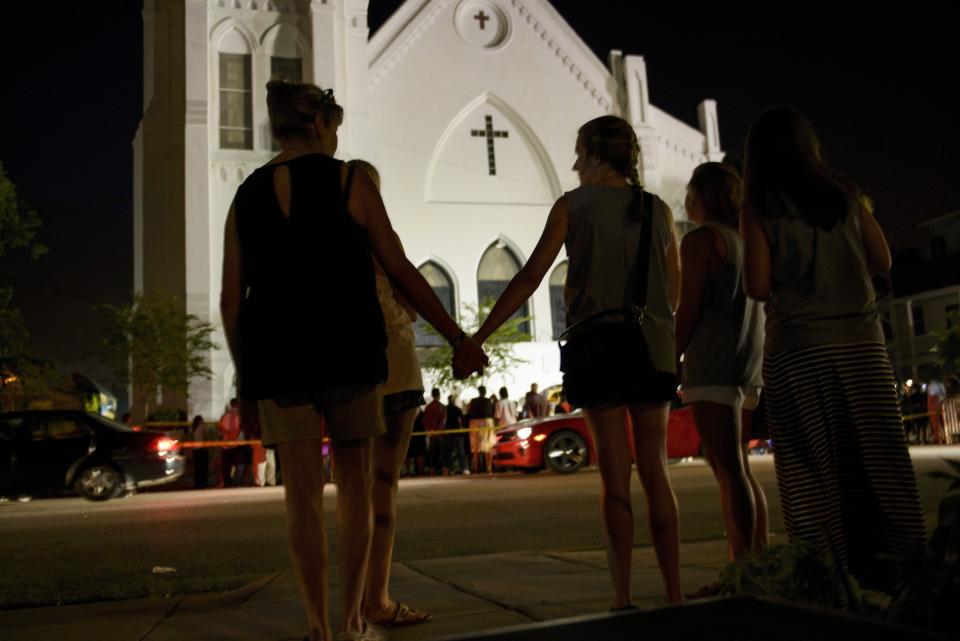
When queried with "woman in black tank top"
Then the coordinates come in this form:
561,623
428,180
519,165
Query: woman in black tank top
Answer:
306,332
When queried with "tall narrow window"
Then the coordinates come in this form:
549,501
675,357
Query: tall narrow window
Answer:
558,310
236,101
443,288
289,69
950,311
919,326
497,267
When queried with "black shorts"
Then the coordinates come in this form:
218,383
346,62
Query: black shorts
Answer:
402,401
659,388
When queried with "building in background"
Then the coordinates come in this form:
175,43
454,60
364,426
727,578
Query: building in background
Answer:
469,108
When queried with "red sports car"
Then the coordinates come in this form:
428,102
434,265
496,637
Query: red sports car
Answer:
562,442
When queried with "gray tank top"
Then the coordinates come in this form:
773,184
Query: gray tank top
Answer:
602,243
821,292
726,347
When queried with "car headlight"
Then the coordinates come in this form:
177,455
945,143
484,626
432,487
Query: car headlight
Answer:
524,433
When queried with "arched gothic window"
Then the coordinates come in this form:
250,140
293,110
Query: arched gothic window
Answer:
443,288
558,311
236,92
497,267
286,62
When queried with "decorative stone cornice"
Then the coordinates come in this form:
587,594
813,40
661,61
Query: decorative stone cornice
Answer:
566,59
268,6
425,23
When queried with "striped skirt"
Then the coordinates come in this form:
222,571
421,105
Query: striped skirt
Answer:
844,474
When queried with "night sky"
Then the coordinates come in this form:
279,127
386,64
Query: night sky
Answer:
878,87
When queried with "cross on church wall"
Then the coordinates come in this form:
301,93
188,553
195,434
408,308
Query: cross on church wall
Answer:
482,19
489,133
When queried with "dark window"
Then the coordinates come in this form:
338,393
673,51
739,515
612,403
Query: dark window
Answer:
919,328
236,101
57,428
938,247
289,69
497,267
558,310
443,288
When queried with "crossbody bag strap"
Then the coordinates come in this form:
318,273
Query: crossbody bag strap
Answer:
644,256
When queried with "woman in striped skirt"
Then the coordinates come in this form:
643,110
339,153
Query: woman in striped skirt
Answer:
811,243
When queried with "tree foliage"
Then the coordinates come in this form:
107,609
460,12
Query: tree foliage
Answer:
20,372
154,343
499,347
19,223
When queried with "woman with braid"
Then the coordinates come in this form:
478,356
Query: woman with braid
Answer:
600,226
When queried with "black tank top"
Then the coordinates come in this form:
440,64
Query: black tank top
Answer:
310,319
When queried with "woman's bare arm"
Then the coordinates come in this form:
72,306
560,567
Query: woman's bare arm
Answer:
366,207
672,256
695,251
233,285
756,255
874,242
526,281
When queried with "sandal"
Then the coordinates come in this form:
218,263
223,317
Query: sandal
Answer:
403,616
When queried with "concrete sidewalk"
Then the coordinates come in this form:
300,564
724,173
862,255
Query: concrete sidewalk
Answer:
465,595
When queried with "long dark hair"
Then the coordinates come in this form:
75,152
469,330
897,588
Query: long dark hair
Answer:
782,165
716,187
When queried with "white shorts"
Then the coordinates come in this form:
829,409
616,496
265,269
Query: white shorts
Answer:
744,397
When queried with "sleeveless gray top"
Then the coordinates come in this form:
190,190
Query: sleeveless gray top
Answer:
603,238
726,347
821,292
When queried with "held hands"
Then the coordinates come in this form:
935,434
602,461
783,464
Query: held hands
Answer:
468,357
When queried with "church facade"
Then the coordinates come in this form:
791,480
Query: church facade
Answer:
469,109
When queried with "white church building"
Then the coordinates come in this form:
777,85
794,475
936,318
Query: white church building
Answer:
469,108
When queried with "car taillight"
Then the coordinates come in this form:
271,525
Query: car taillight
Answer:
164,445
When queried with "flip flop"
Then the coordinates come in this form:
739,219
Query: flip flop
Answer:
403,616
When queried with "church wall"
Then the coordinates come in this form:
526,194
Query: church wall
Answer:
413,103
413,114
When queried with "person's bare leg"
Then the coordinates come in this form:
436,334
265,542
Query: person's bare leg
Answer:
650,444
389,452
761,530
303,494
719,428
608,425
354,524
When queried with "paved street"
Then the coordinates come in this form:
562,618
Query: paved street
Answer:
70,550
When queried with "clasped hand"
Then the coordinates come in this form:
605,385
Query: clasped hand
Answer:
468,358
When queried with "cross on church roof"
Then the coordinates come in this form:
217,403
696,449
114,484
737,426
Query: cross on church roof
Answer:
488,133
482,18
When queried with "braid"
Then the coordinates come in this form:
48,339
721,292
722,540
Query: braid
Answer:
612,140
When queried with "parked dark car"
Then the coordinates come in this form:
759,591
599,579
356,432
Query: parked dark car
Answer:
49,451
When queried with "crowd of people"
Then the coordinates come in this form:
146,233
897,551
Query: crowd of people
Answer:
318,301
459,439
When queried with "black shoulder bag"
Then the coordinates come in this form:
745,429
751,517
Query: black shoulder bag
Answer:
605,358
